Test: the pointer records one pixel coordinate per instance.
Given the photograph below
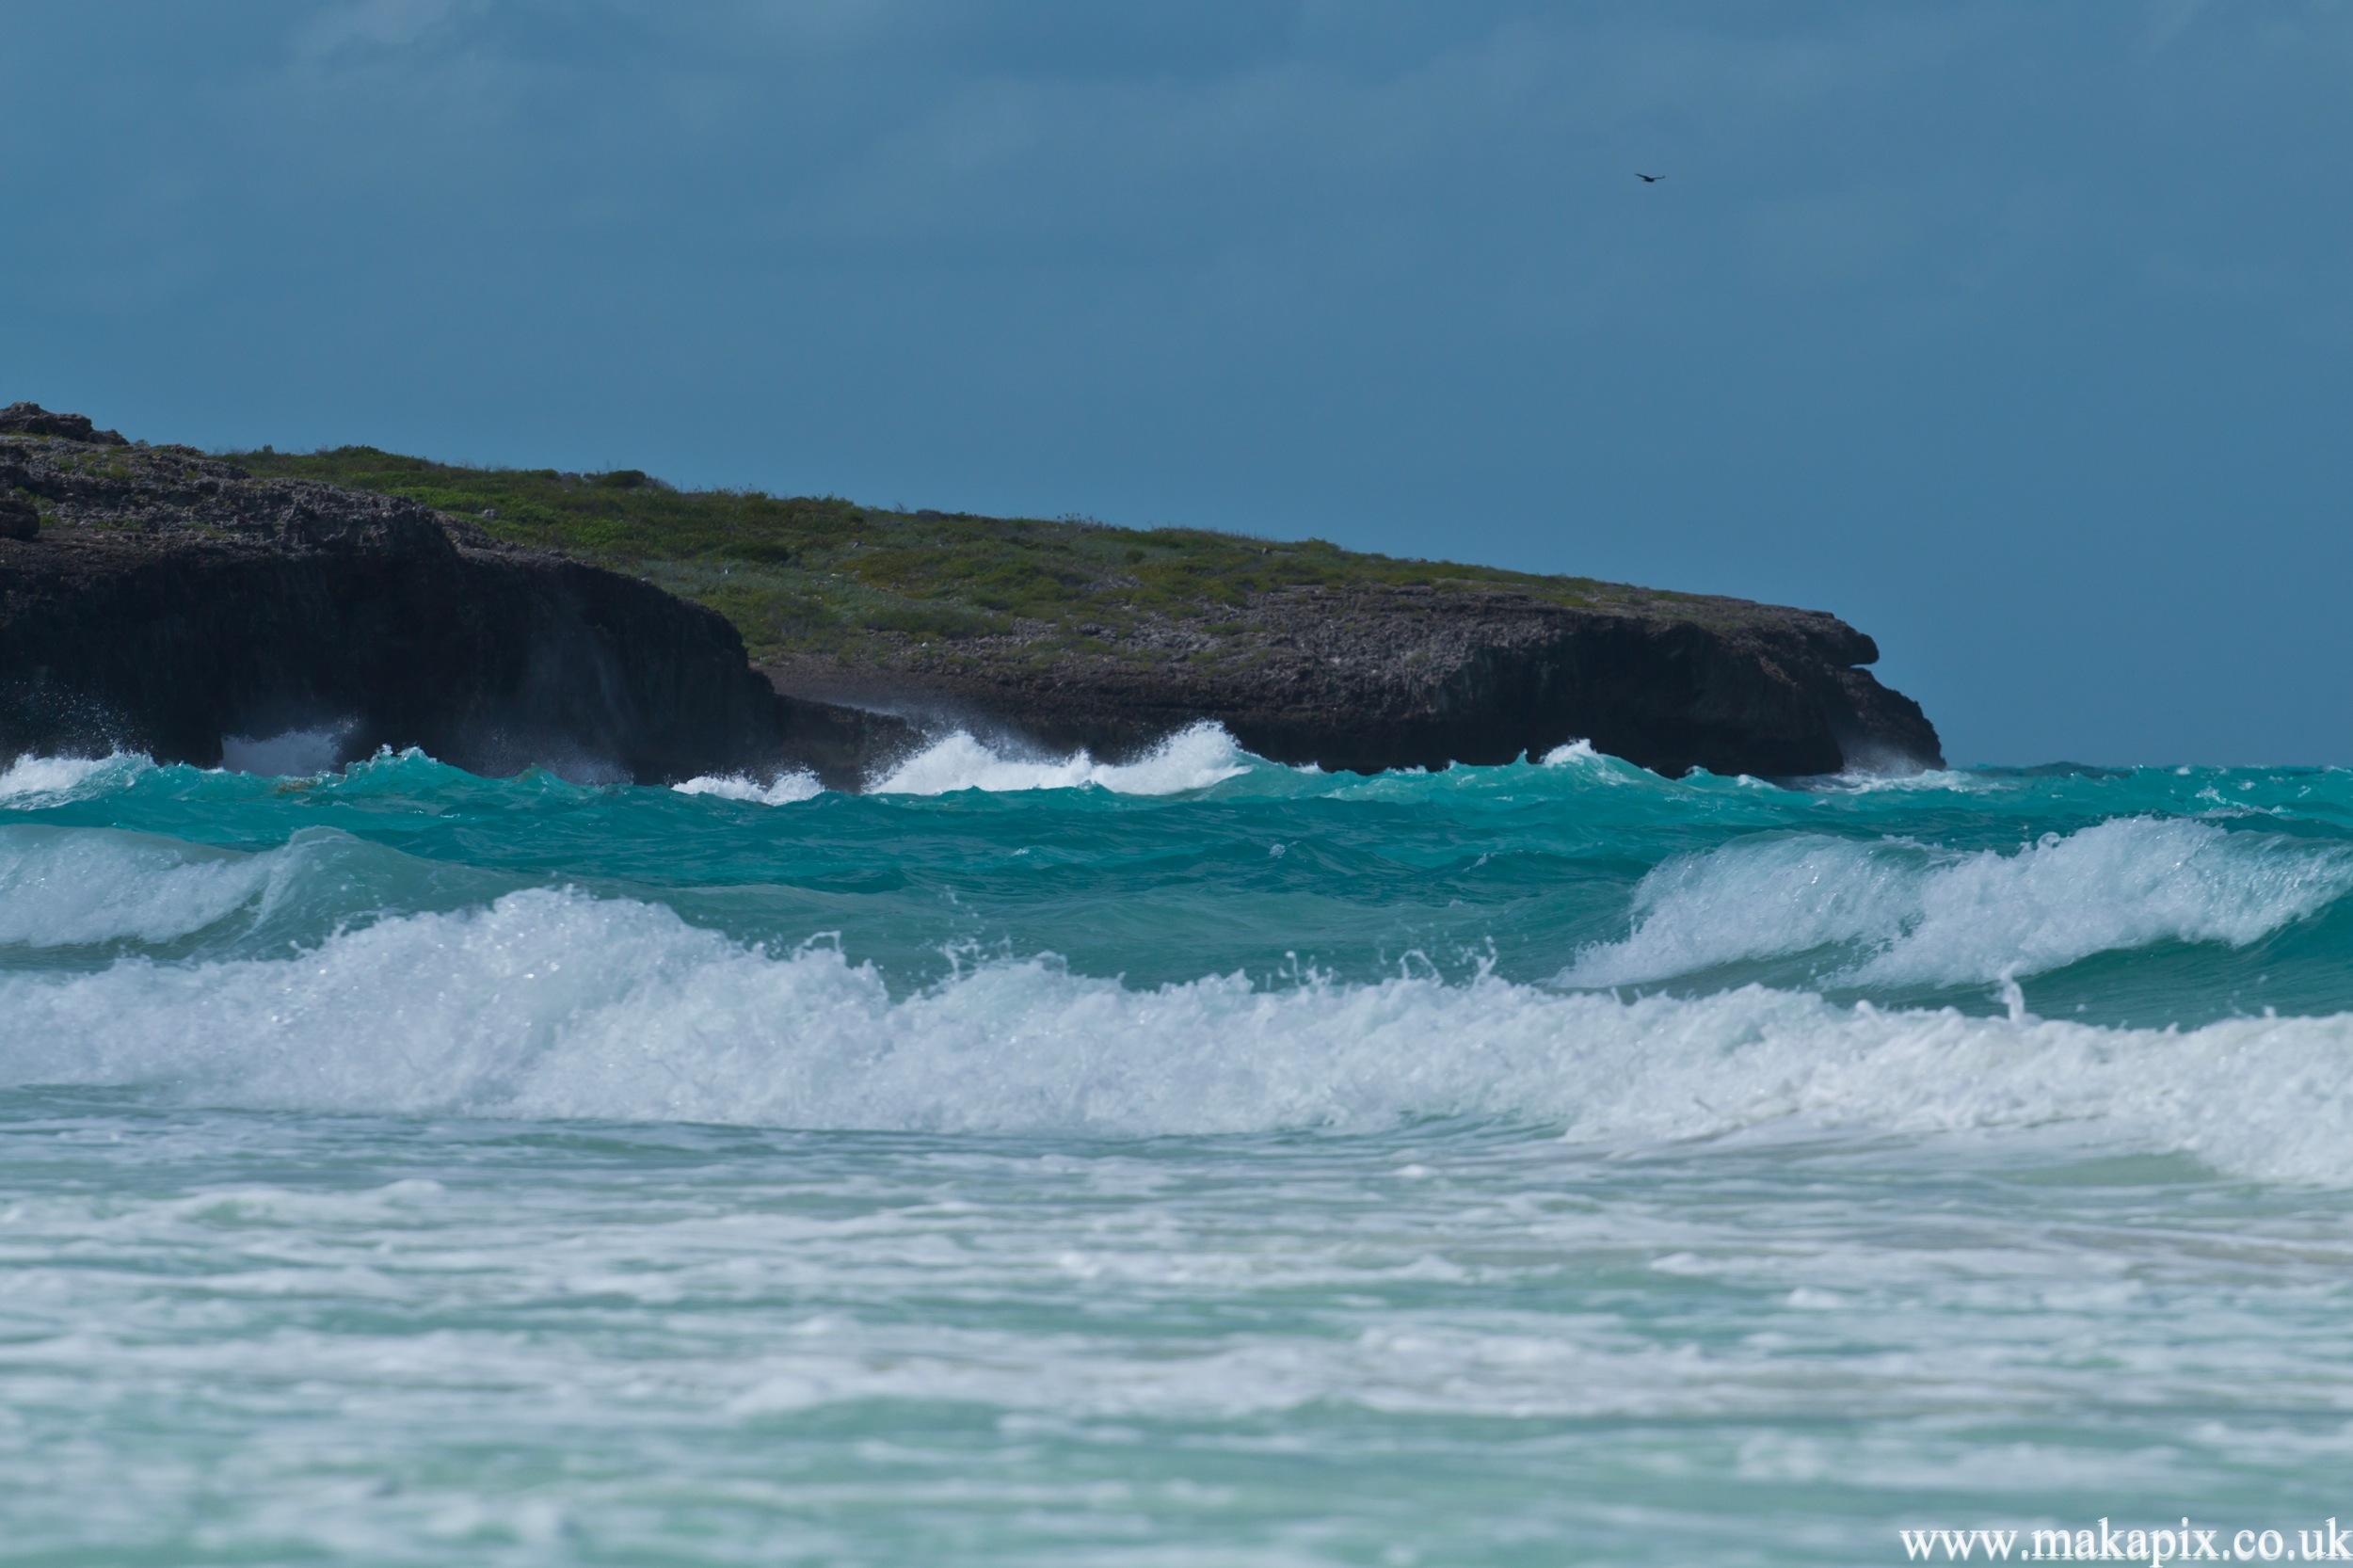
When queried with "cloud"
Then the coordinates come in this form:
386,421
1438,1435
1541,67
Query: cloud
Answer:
363,29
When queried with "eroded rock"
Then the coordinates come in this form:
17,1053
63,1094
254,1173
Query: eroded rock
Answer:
173,601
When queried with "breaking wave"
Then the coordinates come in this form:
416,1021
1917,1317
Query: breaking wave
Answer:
35,781
553,1004
59,888
1193,758
1905,913
785,790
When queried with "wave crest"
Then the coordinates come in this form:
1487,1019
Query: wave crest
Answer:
63,887
785,789
1194,758
1928,916
557,1006
31,782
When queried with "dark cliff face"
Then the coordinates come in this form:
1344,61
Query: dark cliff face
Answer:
1373,677
164,603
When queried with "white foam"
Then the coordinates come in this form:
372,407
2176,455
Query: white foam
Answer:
1193,758
35,781
1859,781
784,790
554,1004
1923,915
1580,759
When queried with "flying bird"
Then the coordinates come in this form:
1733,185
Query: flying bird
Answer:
1648,179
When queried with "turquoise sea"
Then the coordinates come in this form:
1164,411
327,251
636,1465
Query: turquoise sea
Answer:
1200,1161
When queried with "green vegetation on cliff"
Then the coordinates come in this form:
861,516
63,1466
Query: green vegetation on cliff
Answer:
823,575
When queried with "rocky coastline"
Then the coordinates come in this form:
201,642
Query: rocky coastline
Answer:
169,603
159,599
1367,679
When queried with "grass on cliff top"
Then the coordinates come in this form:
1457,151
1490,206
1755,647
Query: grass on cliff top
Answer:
818,574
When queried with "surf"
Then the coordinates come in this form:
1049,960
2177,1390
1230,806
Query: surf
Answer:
556,1005
1898,911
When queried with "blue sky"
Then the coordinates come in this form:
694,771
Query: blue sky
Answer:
2020,335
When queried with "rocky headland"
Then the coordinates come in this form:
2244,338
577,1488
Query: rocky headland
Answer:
158,598
153,598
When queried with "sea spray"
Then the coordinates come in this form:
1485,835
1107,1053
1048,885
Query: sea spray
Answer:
785,789
30,782
1193,758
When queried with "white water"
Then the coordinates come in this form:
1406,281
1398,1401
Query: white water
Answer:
785,790
1928,916
554,1004
35,781
1193,758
